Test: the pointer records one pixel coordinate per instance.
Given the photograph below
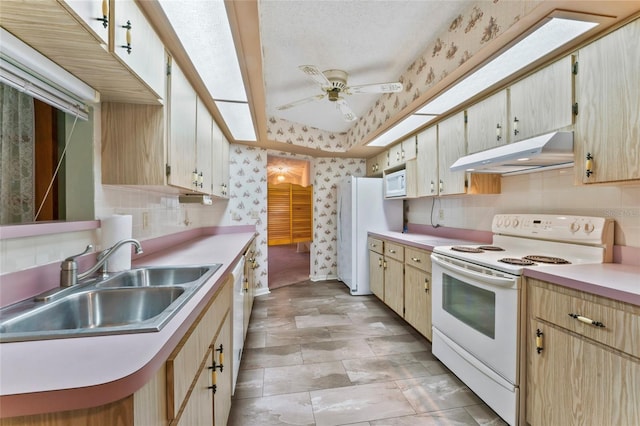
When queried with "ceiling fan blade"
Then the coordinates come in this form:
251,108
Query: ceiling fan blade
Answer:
301,102
316,75
375,88
345,109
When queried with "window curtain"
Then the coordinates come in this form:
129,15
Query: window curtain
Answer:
16,156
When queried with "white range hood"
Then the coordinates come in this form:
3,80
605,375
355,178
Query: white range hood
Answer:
553,150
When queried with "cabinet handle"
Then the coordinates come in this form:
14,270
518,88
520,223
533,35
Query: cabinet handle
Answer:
498,132
426,285
539,346
588,165
105,14
221,356
127,37
392,251
441,186
415,259
194,177
384,264
379,262
515,126
586,320
433,187
246,285
214,379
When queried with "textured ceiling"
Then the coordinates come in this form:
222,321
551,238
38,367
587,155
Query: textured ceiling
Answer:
374,41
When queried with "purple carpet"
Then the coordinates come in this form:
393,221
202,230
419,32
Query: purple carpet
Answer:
287,266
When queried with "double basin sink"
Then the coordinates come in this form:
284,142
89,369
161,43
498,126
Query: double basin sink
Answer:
134,301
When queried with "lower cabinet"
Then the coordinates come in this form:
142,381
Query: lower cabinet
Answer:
400,276
579,372
197,376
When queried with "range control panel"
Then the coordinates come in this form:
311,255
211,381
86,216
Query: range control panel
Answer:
566,228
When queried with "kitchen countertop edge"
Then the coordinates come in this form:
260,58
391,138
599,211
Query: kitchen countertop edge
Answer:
103,388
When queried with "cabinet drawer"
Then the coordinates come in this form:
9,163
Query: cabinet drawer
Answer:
421,259
183,364
555,304
375,244
394,251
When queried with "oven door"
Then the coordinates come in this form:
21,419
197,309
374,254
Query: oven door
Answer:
477,309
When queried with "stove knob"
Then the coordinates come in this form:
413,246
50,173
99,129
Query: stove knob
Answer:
574,227
499,223
589,227
516,222
507,222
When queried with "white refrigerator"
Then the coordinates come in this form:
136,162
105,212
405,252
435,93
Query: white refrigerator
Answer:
362,208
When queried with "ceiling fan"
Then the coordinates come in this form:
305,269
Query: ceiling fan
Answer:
334,84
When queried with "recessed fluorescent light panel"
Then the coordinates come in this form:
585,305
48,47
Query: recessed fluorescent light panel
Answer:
550,36
401,129
204,31
237,116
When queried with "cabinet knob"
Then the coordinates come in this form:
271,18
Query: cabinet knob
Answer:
127,37
105,14
588,165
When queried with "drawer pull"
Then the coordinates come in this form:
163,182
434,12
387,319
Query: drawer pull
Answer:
586,320
415,259
539,335
392,251
426,285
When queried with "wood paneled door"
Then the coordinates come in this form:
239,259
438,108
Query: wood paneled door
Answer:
289,214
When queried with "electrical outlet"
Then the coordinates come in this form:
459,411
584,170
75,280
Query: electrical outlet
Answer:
145,220
441,214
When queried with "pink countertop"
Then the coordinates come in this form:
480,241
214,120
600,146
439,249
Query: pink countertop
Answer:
613,280
65,374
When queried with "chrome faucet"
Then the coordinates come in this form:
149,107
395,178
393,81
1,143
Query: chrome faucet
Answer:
69,268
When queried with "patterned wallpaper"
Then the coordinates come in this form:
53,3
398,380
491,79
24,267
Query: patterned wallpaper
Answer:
327,172
466,35
248,200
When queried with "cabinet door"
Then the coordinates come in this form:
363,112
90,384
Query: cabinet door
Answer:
487,123
199,407
221,355
224,166
451,146
182,135
92,13
608,95
394,285
137,45
417,294
394,155
204,146
427,159
409,148
542,102
220,161
373,166
376,274
574,381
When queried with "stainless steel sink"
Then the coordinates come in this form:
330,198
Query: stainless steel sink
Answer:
139,300
155,276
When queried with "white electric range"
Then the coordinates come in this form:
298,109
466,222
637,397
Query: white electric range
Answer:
476,295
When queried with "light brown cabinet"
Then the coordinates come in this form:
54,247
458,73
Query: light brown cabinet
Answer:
249,285
376,267
487,123
427,160
136,44
451,146
608,96
376,164
417,290
583,358
542,102
394,276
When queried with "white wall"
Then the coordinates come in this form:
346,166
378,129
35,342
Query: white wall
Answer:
543,192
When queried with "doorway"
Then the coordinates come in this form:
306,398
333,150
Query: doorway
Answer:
289,220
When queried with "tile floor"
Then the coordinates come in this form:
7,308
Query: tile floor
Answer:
315,355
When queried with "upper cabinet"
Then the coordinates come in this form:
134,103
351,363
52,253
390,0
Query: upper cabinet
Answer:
220,164
607,139
95,14
136,44
451,146
427,172
72,34
542,102
401,153
487,123
204,147
183,170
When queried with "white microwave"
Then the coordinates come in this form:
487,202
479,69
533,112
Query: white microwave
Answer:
395,184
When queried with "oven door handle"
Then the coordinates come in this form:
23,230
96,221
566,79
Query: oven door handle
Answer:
485,278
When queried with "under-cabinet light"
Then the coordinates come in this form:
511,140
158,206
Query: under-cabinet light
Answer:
406,126
553,34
